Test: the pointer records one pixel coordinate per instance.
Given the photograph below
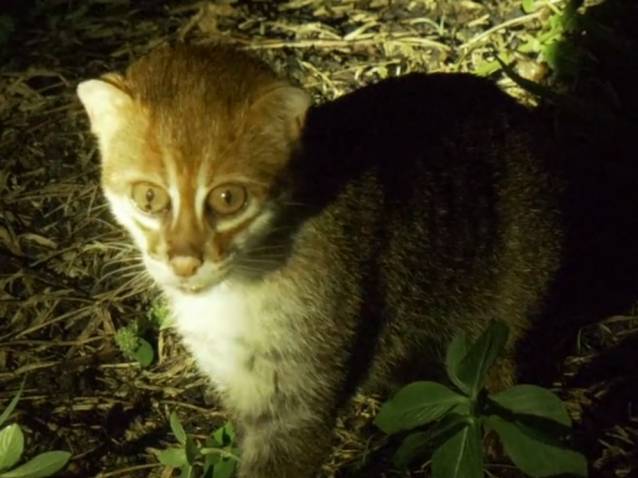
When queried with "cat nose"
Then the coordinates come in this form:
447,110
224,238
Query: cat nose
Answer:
185,266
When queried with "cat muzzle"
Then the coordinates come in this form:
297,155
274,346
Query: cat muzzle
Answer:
185,266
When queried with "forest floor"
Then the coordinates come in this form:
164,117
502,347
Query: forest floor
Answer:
69,278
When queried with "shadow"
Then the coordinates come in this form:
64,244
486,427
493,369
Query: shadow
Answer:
596,133
607,422
597,157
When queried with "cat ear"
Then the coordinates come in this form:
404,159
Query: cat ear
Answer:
292,104
296,102
104,103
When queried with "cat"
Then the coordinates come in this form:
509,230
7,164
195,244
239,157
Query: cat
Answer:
310,252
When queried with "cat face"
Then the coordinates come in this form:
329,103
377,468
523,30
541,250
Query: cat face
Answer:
192,142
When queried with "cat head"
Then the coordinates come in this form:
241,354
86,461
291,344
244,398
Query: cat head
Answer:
193,141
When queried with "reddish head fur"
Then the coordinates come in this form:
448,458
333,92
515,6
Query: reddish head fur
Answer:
187,119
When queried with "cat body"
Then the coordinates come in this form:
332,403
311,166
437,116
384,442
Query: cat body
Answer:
312,252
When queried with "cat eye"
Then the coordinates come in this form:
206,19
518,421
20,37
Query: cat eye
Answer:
227,198
150,198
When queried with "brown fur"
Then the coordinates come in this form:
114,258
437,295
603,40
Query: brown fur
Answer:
400,215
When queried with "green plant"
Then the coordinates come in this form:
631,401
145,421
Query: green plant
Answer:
530,421
12,446
135,347
555,43
158,315
132,339
216,458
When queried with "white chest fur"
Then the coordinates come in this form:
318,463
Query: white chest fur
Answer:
227,330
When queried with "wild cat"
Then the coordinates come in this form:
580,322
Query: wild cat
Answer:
309,252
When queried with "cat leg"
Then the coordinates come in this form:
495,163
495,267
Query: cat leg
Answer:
502,375
284,447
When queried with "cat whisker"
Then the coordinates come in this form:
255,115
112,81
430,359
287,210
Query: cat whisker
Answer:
273,254
280,228
129,274
272,247
126,255
270,261
123,265
126,260
249,270
121,271
136,285
117,245
295,204
257,182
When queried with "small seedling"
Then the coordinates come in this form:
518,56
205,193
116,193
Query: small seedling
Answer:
530,421
216,458
134,347
132,339
159,316
12,446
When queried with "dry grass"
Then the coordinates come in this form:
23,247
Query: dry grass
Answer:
69,277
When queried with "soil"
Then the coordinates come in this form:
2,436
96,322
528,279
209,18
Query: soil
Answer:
69,277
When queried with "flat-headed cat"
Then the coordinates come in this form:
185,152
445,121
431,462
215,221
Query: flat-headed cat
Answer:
309,252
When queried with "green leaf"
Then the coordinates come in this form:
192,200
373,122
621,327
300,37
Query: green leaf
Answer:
211,452
416,404
174,457
412,447
456,352
461,455
534,401
214,451
127,340
217,438
224,435
486,68
178,429
144,353
235,451
229,429
565,58
45,464
224,468
550,54
187,471
12,405
472,370
570,19
11,446
192,450
159,314
548,37
535,454
210,460
528,6
532,45
418,444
